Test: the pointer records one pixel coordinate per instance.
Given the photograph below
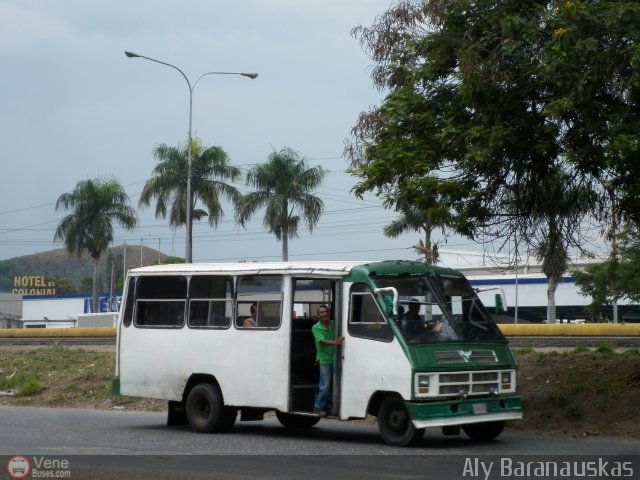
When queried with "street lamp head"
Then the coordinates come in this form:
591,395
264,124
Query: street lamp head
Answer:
131,54
252,76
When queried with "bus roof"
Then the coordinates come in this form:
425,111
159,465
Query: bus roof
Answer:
322,268
327,268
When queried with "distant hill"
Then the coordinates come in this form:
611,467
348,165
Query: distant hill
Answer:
60,264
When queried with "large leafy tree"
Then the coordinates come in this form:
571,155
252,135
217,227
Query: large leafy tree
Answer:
284,187
212,175
499,112
94,206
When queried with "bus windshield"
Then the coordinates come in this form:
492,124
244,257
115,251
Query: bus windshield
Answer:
439,308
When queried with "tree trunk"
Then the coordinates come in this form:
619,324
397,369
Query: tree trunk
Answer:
428,259
96,291
552,284
285,246
285,232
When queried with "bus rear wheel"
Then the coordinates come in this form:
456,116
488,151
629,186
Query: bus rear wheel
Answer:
291,420
205,408
483,431
395,424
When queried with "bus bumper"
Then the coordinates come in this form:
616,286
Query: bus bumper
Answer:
463,412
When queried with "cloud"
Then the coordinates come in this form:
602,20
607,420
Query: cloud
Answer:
22,27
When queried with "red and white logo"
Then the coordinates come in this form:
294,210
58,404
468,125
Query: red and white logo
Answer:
18,467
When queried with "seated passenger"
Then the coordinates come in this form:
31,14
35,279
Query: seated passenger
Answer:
413,313
252,321
412,320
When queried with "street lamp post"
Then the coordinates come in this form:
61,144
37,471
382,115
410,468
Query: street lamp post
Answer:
189,222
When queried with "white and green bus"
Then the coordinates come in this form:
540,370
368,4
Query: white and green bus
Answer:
182,337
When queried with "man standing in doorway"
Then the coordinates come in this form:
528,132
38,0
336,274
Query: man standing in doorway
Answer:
324,333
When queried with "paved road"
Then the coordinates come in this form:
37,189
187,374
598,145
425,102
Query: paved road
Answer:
116,444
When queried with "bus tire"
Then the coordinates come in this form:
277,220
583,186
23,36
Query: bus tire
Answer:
205,409
293,421
395,425
483,431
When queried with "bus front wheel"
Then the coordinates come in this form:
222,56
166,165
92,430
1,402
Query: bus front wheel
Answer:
395,425
205,408
483,431
293,421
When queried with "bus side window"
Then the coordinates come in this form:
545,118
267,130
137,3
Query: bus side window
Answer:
160,301
264,294
159,313
210,301
365,318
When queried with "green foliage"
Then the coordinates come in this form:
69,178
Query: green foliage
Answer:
284,188
24,382
64,285
605,348
523,350
413,220
581,349
169,260
30,387
210,170
511,120
34,371
7,272
615,278
574,412
85,285
94,206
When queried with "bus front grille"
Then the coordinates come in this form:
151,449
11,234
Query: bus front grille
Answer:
469,383
466,356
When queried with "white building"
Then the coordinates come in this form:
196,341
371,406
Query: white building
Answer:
524,291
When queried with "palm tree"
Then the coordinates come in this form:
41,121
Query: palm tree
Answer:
413,220
210,170
552,251
95,205
558,206
284,186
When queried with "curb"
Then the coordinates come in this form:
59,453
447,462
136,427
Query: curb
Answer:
571,330
509,330
58,332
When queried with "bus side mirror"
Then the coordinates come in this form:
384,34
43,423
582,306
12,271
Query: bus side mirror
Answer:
500,303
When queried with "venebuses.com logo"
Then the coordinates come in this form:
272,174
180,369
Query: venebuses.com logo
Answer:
18,467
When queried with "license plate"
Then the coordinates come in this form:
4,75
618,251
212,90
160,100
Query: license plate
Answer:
479,408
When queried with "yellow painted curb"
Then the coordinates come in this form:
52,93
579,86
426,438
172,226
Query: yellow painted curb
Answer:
58,332
509,330
571,330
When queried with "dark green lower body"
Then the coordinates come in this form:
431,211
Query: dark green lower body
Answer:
465,411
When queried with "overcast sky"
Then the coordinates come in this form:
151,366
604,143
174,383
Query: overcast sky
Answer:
73,107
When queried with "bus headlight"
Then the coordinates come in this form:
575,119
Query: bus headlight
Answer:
422,384
506,381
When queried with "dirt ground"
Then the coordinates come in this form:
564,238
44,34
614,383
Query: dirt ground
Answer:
582,394
576,393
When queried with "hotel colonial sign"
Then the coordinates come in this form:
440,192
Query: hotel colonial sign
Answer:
33,285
